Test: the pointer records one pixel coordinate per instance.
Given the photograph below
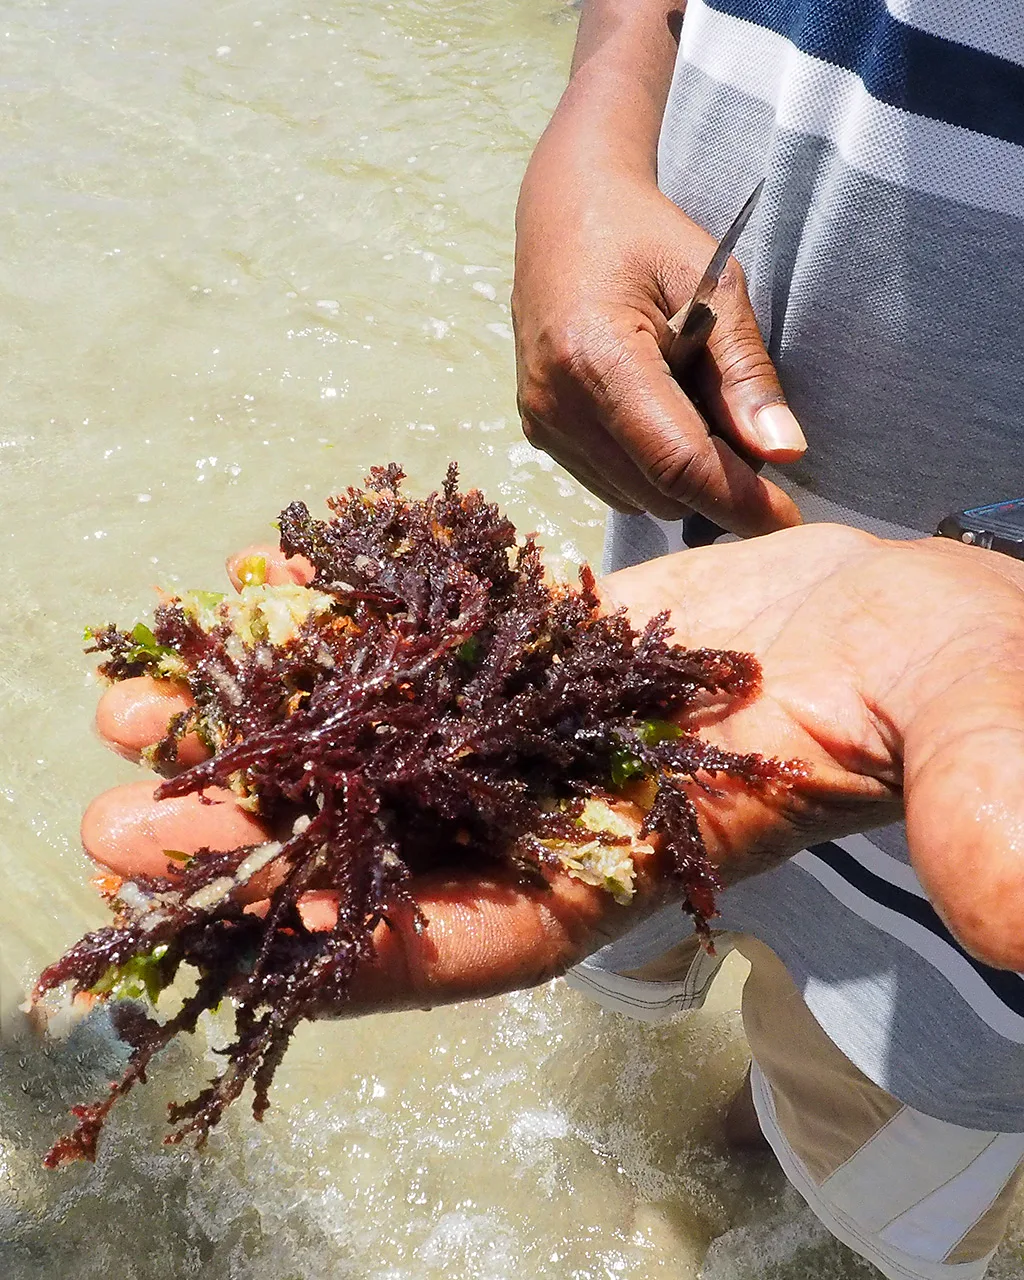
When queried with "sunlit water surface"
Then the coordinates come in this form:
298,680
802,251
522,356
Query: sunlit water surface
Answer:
247,251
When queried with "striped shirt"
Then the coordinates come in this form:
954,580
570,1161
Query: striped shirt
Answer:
886,266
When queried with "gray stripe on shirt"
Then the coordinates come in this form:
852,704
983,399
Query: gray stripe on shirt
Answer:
899,346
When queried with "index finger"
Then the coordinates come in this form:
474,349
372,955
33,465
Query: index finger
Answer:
646,410
484,933
482,937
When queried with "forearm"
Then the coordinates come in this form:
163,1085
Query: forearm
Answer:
603,258
622,67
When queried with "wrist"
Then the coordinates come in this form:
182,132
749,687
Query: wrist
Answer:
606,120
582,152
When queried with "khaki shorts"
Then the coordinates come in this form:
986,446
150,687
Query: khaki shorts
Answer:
920,1198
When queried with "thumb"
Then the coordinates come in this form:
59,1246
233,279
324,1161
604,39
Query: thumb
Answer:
738,383
964,797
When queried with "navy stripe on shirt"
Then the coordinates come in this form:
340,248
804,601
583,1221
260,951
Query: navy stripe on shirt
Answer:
898,64
1009,987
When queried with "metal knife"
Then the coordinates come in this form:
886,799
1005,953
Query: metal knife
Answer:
692,324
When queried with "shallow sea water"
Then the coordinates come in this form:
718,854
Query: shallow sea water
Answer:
247,251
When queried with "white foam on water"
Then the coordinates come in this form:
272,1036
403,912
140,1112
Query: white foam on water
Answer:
481,1245
789,1241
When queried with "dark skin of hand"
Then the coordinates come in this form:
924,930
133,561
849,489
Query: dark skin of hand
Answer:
603,259
895,671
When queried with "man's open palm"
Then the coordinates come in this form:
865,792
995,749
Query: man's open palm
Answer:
895,671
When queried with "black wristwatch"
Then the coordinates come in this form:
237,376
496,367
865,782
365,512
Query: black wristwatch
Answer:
997,527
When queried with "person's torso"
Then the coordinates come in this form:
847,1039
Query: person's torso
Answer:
886,258
886,266
888,982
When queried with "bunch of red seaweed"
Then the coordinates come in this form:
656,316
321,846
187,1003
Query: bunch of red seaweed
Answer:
444,706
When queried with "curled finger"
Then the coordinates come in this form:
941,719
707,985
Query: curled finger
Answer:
264,563
136,713
129,832
659,427
601,484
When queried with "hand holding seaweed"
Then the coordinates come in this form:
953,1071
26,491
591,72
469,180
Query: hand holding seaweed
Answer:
426,703
480,862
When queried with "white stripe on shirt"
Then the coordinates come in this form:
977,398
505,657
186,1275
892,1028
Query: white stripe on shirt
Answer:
824,101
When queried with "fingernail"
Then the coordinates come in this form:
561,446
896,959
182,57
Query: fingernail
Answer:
778,430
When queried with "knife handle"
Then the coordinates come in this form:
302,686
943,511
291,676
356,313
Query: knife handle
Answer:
690,339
